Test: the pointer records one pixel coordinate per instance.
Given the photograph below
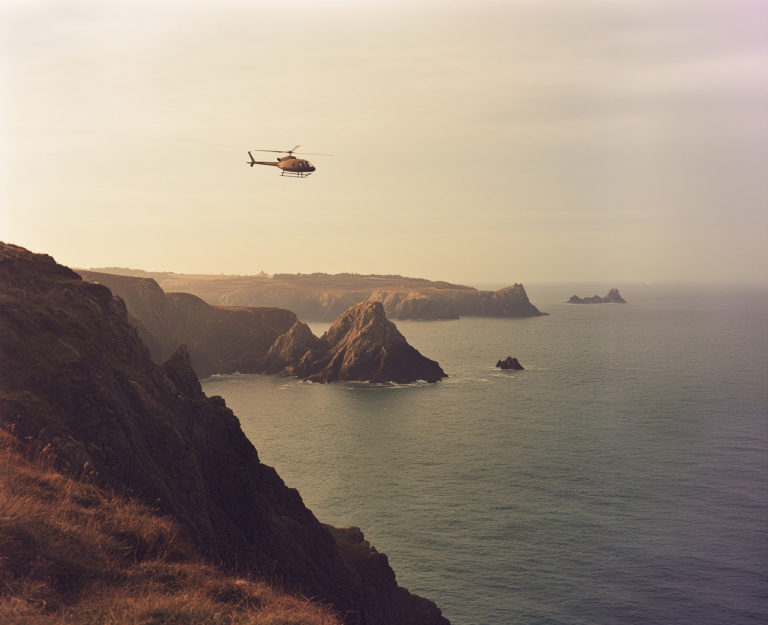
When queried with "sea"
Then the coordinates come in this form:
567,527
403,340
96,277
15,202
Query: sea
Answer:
621,478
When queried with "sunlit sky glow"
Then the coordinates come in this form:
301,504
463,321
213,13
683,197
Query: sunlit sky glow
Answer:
474,141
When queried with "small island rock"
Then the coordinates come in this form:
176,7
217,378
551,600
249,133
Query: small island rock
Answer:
363,345
612,297
510,363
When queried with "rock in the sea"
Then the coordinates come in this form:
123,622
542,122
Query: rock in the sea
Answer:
612,297
362,344
510,363
291,347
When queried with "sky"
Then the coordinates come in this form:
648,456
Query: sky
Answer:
475,141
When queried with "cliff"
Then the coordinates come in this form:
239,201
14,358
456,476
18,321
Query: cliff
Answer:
612,297
362,344
323,297
77,379
219,339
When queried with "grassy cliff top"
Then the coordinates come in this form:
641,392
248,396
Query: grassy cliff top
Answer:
72,553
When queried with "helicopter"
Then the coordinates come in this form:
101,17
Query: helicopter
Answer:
288,165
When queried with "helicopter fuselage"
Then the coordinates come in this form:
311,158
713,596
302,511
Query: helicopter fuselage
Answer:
289,166
298,166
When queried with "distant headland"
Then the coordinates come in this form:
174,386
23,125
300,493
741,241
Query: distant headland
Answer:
612,297
323,297
361,344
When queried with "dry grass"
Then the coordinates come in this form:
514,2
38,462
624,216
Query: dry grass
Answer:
72,553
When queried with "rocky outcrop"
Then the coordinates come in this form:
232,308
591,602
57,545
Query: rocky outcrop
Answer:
361,345
375,574
290,348
510,363
324,297
612,297
179,369
75,377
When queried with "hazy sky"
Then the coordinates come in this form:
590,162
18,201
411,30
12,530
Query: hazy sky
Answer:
474,141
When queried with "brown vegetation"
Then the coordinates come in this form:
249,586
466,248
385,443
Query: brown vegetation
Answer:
71,552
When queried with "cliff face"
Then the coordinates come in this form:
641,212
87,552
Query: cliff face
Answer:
361,345
74,375
220,340
324,297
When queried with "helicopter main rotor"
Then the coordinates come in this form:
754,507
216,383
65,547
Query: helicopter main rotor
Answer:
293,151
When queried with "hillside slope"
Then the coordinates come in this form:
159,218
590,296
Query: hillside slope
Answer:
75,553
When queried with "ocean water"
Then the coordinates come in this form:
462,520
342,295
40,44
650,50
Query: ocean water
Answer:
622,478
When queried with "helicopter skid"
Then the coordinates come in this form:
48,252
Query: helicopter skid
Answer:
296,174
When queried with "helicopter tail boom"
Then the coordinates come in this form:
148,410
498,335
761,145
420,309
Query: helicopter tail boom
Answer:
253,162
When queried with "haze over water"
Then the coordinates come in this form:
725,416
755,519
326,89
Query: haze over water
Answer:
473,140
621,478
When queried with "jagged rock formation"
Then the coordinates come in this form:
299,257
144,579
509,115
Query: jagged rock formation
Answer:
612,297
324,297
510,363
75,376
361,345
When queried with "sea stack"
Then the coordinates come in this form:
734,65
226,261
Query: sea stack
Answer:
510,363
612,297
362,344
